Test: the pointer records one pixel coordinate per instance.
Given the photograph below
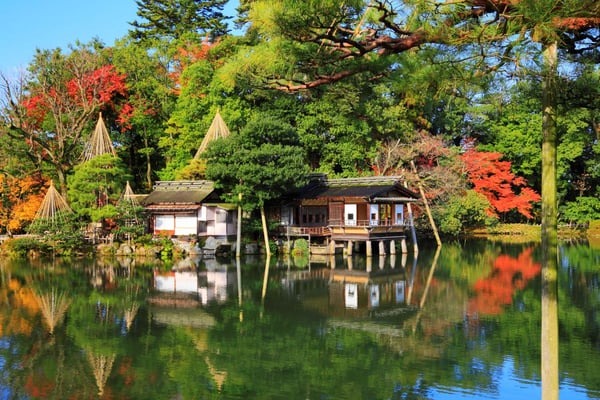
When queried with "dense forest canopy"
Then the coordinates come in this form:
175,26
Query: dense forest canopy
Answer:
365,86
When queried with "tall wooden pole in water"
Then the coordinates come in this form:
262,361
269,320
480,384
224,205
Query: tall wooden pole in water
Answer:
549,334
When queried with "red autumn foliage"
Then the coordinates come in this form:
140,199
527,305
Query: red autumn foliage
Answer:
187,56
125,116
508,276
100,87
494,179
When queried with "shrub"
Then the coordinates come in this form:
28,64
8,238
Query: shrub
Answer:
582,210
465,212
21,247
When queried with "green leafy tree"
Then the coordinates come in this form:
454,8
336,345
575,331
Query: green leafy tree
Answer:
200,95
582,210
510,125
261,163
130,218
466,211
96,186
152,97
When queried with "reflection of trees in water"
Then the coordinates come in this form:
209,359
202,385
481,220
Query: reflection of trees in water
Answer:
508,275
53,305
101,366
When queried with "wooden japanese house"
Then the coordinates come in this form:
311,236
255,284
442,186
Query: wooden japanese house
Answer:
351,211
180,208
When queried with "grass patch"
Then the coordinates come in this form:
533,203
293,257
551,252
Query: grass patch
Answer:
512,233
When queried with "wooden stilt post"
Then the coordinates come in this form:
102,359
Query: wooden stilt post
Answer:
403,245
332,247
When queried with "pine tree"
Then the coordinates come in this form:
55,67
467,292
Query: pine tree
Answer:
172,19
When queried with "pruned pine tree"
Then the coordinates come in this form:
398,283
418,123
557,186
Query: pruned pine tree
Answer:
172,19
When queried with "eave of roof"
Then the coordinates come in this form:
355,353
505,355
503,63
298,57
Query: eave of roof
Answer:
179,192
366,188
170,207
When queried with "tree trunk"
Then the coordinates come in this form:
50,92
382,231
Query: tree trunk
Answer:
549,334
148,162
62,181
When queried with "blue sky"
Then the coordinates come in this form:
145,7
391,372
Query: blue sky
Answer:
47,24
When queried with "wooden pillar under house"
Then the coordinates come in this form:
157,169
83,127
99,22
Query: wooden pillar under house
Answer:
404,247
332,247
382,247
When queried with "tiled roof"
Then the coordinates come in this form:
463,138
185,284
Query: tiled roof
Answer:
179,192
368,187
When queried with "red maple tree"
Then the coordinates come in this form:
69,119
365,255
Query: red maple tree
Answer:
186,56
493,178
60,107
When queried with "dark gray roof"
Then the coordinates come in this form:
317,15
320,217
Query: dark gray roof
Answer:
368,188
180,192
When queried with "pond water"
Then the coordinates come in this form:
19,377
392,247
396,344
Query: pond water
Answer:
462,322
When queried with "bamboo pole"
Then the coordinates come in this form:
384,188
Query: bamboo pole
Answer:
422,192
238,242
265,230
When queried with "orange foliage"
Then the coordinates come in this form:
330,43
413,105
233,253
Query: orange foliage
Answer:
494,179
576,24
508,275
186,57
22,198
19,306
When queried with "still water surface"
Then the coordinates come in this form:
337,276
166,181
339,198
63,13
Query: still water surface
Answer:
459,323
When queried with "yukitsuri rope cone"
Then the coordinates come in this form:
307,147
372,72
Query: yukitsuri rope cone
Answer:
99,143
53,210
218,129
129,195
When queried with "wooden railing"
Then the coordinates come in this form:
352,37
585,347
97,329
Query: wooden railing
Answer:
307,230
326,230
362,223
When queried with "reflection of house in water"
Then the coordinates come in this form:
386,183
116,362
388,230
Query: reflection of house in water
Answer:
212,283
349,292
359,293
368,290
